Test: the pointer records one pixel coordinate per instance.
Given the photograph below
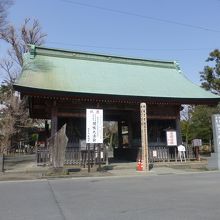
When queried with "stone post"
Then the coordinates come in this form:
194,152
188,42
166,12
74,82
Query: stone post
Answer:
214,161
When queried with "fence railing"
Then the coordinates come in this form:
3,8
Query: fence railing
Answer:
10,162
165,153
75,156
43,156
72,157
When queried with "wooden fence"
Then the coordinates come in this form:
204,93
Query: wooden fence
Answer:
43,156
167,154
73,156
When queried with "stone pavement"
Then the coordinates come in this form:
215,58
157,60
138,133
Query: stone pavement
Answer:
30,171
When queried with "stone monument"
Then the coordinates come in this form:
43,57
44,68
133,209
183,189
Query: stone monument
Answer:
214,160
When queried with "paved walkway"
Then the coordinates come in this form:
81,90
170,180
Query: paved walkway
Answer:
30,171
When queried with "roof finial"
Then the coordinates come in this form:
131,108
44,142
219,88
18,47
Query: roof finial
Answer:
32,51
177,66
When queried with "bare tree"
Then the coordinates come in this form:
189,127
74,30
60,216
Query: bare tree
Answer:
29,33
13,114
4,5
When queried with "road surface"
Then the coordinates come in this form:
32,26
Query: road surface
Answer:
167,197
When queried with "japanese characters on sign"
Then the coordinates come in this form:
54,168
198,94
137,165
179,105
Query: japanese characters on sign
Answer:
144,140
171,138
94,126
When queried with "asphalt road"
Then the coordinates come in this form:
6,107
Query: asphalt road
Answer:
188,196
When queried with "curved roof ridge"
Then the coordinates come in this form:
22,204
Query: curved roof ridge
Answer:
41,50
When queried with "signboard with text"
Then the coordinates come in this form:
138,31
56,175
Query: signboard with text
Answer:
94,126
171,138
197,142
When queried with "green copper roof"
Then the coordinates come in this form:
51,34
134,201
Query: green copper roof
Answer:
77,72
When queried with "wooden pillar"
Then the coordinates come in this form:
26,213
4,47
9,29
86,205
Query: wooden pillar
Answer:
54,119
130,135
46,132
144,138
119,134
178,130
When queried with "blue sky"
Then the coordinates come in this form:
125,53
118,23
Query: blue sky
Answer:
185,31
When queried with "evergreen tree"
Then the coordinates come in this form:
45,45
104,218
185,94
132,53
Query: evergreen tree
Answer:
201,124
198,124
210,76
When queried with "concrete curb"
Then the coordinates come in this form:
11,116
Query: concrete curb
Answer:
130,173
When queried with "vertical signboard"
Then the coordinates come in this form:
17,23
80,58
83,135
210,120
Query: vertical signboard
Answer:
94,126
216,132
214,160
171,138
144,139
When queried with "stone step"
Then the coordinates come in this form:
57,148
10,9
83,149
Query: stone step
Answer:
176,165
184,165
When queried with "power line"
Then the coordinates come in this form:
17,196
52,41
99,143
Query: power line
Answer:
126,48
141,16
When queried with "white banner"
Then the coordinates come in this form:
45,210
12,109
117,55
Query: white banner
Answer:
94,126
171,138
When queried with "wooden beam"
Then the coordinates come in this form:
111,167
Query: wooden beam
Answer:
71,114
